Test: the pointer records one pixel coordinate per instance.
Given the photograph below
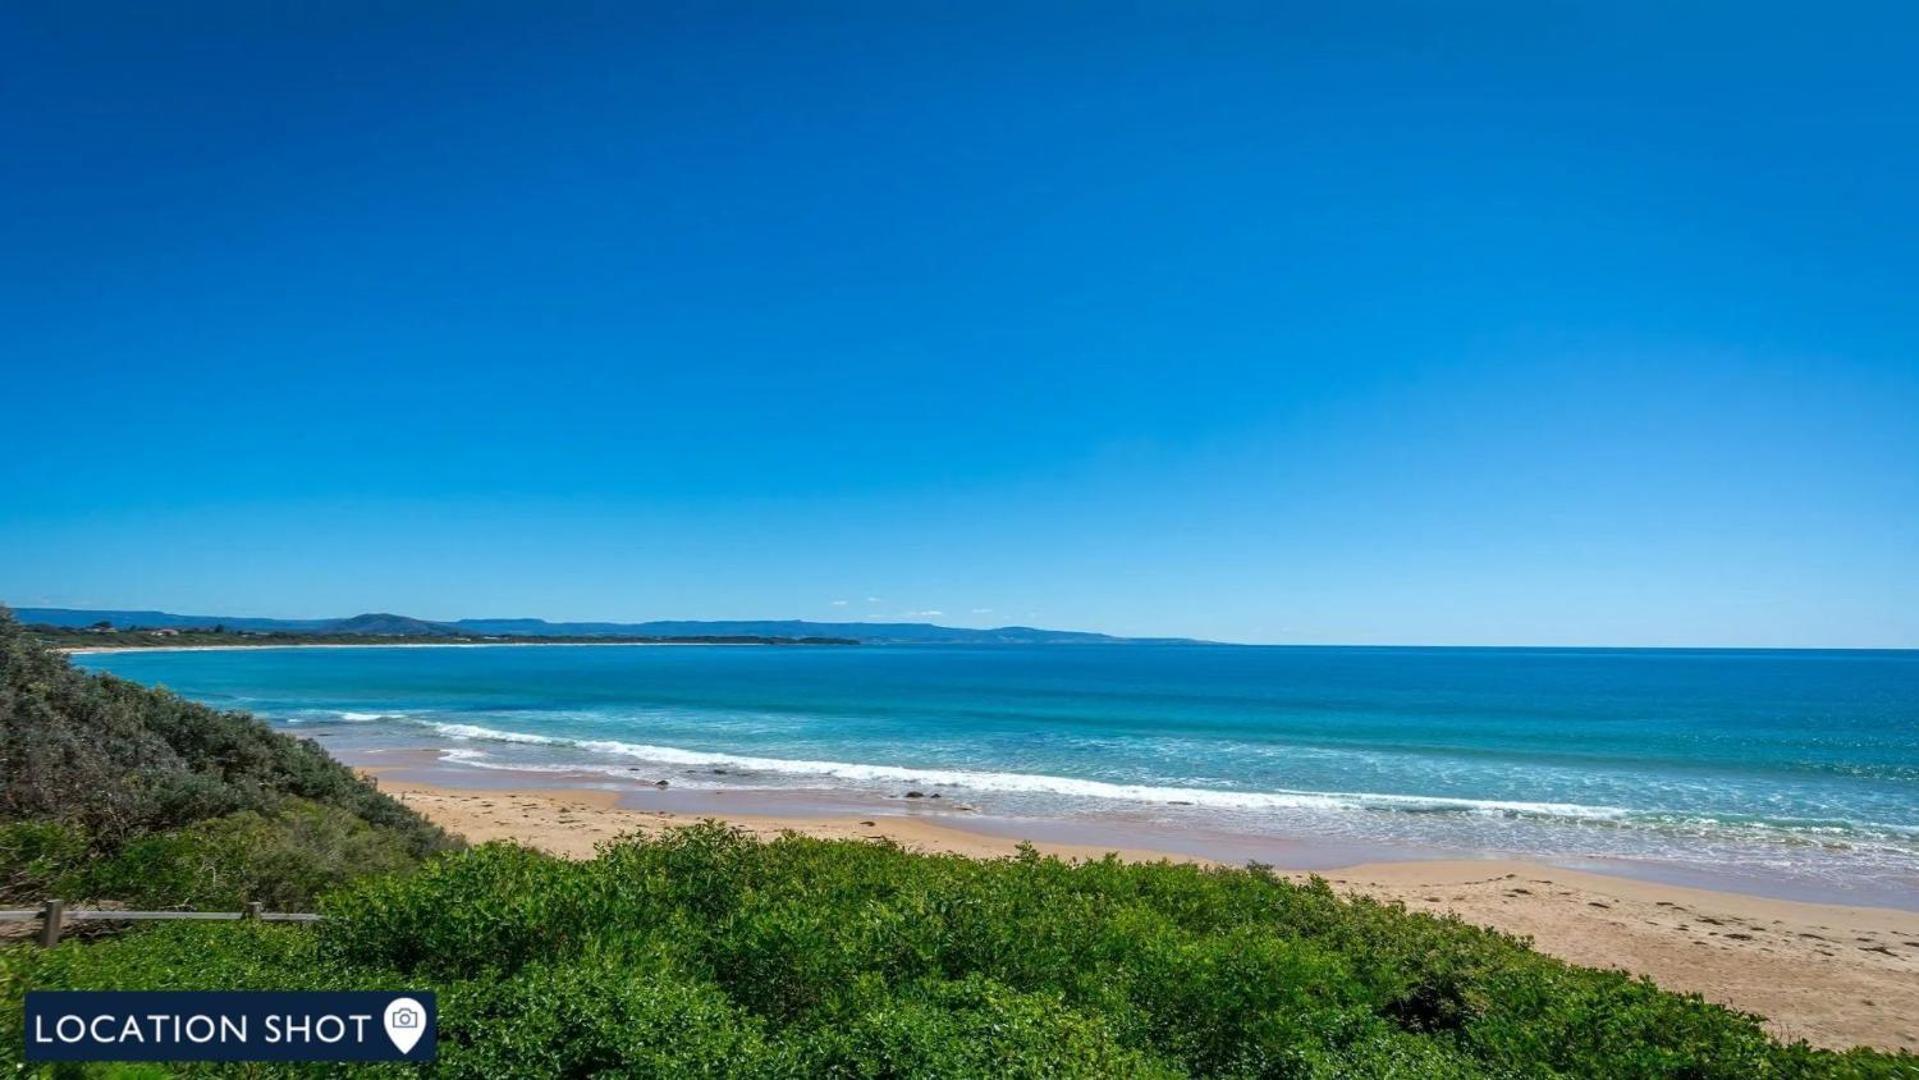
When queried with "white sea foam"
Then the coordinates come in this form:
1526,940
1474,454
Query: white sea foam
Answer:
1041,784
474,731
480,759
336,716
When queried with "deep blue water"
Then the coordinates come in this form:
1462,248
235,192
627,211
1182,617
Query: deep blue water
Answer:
1803,765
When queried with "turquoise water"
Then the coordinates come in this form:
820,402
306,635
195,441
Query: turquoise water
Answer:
1793,766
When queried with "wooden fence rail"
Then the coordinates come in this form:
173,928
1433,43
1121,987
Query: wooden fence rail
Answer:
54,915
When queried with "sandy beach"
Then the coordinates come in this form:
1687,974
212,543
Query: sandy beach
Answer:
1834,975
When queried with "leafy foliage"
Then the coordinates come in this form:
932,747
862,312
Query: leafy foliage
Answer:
109,789
284,860
704,952
39,857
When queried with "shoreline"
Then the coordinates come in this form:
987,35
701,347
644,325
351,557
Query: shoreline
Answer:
697,790
91,650
1832,974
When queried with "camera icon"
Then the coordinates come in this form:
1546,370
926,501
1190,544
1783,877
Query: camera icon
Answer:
406,1022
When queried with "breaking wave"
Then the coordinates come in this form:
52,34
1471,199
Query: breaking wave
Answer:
1041,784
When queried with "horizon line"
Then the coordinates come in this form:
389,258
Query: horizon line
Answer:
1165,638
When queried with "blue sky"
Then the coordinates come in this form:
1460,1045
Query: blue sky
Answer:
1484,323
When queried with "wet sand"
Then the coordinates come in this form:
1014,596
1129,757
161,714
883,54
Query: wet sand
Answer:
1834,975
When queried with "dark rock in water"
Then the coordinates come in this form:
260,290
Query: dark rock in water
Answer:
632,768
965,806
934,795
1179,802
866,823
659,783
915,795
719,772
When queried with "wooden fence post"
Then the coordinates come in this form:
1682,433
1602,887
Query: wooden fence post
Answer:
53,914
252,913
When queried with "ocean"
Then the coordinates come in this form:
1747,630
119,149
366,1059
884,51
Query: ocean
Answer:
1791,773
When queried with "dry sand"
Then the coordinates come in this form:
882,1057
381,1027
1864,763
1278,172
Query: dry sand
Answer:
1833,975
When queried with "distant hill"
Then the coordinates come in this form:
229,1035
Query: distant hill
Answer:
387,624
384,625
380,624
149,620
869,633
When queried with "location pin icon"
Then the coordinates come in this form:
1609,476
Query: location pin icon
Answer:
405,1022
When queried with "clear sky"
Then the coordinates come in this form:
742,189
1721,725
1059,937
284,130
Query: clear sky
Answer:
1473,323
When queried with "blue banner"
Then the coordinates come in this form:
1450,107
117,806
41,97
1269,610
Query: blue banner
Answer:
230,1025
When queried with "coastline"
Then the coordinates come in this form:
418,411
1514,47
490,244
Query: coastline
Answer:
1834,975
1248,757
93,650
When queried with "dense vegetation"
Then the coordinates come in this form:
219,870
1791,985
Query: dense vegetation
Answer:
111,790
706,953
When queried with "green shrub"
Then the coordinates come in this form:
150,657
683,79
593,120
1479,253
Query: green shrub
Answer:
39,859
971,1028
284,860
489,912
594,1017
176,956
112,791
121,760
705,953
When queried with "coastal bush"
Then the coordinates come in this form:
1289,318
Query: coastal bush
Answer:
486,914
38,858
704,952
597,1017
285,860
972,1027
111,790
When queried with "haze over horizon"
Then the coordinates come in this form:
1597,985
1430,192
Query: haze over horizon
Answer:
1512,326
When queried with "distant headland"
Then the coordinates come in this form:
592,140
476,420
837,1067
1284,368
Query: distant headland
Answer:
385,625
